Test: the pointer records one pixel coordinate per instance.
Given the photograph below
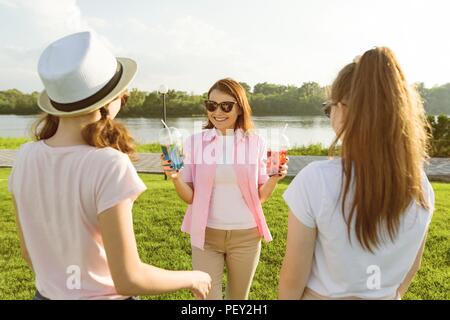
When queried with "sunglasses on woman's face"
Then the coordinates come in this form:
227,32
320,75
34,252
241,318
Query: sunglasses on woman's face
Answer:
226,106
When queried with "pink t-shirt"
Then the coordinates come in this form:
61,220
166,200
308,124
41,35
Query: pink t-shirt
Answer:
59,193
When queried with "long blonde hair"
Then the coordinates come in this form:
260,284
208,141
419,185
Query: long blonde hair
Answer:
384,144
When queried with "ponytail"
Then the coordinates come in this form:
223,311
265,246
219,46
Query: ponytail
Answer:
45,127
384,147
109,133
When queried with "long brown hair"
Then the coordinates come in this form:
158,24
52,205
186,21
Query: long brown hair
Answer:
234,89
384,145
105,132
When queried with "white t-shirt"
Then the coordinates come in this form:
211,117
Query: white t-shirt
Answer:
59,192
228,210
340,268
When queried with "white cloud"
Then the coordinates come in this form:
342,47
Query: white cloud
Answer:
133,25
53,18
97,23
185,53
8,3
36,24
188,47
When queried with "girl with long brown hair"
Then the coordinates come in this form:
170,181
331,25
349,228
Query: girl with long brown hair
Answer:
224,182
358,224
73,189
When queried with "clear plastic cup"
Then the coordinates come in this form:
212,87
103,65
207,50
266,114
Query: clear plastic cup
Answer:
171,143
277,154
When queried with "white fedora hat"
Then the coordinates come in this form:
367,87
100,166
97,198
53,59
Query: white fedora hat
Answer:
81,75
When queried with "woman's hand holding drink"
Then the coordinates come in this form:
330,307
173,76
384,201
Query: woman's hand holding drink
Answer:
277,164
168,168
277,158
172,153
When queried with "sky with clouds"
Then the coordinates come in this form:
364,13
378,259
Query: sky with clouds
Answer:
188,45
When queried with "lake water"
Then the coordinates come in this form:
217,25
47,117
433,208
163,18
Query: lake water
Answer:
301,130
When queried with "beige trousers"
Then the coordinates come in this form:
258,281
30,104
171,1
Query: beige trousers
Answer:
239,250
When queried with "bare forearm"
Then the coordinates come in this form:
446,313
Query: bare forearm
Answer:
266,190
298,259
148,280
183,190
291,286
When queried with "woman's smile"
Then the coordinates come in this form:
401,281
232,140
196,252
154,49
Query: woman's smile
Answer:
220,118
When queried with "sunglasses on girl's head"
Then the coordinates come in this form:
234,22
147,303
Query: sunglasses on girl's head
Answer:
226,106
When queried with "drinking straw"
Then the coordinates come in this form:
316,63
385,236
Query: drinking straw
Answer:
284,129
283,134
168,130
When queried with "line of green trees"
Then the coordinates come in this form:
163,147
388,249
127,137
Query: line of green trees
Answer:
440,131
265,98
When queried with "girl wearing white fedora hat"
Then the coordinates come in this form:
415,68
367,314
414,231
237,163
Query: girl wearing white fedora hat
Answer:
73,189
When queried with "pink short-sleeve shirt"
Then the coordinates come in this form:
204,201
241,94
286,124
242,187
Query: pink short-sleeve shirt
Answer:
59,192
201,155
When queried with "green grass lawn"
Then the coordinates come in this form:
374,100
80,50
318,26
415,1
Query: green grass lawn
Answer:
157,218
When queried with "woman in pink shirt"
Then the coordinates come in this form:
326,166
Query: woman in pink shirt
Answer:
224,181
73,189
